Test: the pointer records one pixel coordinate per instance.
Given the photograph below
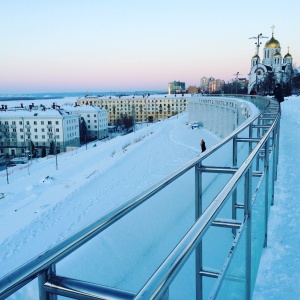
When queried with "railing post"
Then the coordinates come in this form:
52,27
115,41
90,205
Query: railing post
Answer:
198,212
266,170
258,129
43,278
277,146
250,136
248,216
275,157
234,194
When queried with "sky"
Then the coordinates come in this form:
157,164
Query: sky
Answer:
72,45
43,207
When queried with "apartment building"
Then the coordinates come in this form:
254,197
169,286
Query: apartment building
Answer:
211,85
20,128
176,87
144,108
95,118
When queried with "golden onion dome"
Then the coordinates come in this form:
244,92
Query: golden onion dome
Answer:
272,43
288,55
277,54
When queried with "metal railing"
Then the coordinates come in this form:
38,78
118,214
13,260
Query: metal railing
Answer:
262,131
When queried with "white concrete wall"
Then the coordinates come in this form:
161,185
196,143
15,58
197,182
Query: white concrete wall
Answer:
220,115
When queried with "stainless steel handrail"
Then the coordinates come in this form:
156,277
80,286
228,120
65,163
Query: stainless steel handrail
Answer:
164,275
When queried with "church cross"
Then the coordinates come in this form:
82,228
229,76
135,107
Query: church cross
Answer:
272,29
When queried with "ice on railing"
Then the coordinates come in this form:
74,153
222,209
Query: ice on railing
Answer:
219,115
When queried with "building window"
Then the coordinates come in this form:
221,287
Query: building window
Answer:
56,122
42,122
34,122
36,137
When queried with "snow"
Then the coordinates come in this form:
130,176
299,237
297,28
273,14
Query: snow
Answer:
42,205
279,272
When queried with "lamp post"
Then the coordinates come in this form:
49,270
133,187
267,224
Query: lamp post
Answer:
56,155
133,117
236,81
55,149
27,152
258,43
7,171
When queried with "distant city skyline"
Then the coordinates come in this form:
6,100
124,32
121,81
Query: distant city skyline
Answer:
66,46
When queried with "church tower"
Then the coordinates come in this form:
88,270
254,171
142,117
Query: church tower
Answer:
272,63
288,59
272,47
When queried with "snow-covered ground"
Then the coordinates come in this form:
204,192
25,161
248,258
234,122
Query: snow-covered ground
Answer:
279,272
41,205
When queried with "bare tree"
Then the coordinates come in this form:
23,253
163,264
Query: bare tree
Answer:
296,83
267,83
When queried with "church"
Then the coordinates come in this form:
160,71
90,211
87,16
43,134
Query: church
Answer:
273,66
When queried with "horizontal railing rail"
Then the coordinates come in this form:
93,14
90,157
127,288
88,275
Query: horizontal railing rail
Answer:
162,278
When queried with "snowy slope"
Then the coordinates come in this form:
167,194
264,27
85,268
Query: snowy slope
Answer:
48,205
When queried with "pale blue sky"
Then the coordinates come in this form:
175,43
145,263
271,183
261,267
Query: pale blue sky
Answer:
93,45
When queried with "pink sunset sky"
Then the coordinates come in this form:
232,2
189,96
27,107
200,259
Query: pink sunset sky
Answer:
72,45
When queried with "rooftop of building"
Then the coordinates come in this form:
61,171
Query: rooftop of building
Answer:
134,97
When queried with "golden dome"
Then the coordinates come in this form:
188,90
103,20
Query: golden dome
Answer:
277,54
288,56
272,43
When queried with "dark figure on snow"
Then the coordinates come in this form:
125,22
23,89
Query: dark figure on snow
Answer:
202,145
253,93
278,94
